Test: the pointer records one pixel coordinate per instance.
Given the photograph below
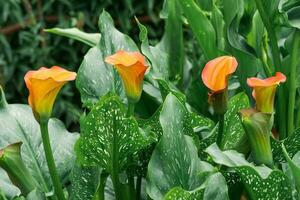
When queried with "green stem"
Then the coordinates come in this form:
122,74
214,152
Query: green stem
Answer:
117,185
50,160
130,110
277,61
131,188
138,188
100,191
220,130
293,82
298,116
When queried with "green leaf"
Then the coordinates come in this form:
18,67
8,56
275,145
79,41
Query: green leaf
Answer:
207,191
234,135
108,138
174,41
18,124
178,193
294,166
291,143
90,39
260,181
7,187
96,78
174,161
249,64
275,186
84,182
35,195
202,28
157,57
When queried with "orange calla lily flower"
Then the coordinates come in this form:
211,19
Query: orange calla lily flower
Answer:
131,66
44,85
264,91
216,72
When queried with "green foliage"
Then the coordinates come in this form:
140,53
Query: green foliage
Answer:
19,125
166,148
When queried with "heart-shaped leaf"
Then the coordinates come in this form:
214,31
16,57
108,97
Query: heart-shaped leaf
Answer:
174,161
18,124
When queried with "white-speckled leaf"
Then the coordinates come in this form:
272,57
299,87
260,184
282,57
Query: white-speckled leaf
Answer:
95,78
291,143
174,162
214,187
260,182
234,134
108,138
84,182
18,124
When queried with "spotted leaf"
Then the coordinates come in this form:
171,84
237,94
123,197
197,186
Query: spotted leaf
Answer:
260,182
291,143
108,138
174,162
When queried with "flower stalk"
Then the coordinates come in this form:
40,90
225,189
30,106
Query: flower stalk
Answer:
277,62
50,159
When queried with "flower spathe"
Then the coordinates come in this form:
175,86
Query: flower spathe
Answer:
44,85
215,76
131,66
217,71
264,91
257,126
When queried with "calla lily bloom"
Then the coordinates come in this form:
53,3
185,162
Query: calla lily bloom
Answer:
215,76
264,91
131,66
216,72
44,85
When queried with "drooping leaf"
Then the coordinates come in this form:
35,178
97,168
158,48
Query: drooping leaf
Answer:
18,124
174,161
260,182
90,39
108,138
96,78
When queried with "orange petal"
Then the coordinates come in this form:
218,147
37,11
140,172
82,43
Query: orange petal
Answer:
44,85
216,72
131,66
274,80
264,91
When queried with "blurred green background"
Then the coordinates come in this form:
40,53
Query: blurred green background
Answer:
24,46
